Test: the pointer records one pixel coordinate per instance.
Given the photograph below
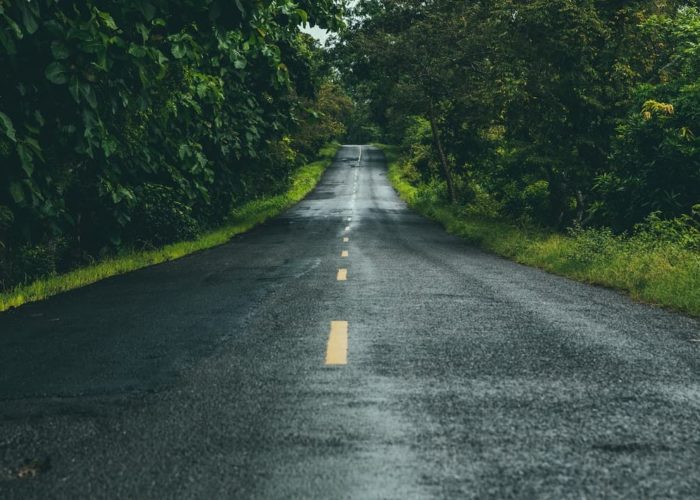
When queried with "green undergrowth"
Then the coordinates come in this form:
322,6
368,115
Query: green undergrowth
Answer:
242,219
651,270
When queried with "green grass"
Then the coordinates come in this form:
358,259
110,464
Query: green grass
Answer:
657,272
243,219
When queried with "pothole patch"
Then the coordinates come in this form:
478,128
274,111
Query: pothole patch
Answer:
33,468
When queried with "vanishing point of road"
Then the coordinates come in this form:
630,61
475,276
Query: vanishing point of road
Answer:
347,349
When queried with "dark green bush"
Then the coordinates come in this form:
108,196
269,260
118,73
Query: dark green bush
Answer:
160,217
29,262
536,201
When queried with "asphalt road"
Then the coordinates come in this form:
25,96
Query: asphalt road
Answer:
466,376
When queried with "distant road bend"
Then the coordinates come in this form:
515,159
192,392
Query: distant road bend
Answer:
347,349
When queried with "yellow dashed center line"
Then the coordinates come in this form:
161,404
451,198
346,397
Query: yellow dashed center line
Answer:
342,274
337,349
345,254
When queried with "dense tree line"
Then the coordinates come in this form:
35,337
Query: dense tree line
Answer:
140,122
559,112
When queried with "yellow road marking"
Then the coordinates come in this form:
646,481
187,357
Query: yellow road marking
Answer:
342,274
337,349
345,240
345,254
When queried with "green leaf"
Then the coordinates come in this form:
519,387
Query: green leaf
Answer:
7,43
59,50
88,92
147,9
143,31
28,18
25,159
178,51
17,192
56,73
15,27
39,118
137,51
108,20
302,15
74,89
34,145
109,146
162,59
7,127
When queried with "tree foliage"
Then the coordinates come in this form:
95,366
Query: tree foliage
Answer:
109,109
561,111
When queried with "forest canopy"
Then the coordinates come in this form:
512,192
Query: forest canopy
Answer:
556,112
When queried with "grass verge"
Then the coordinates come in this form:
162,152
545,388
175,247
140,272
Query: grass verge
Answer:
243,219
657,272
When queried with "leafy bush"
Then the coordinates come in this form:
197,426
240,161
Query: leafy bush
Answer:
591,244
420,163
30,262
683,231
160,218
535,201
483,204
433,192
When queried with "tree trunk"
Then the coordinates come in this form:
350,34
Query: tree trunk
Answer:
441,153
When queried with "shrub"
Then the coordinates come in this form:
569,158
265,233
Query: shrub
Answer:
591,244
31,262
160,217
483,204
433,192
683,230
536,201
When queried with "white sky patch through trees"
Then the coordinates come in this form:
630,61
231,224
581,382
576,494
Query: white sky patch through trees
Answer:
318,33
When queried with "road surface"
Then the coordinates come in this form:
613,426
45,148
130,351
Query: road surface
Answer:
347,349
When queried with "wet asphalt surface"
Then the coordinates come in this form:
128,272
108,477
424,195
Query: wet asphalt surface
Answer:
468,376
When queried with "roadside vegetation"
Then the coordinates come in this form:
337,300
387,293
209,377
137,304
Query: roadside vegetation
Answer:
128,128
560,134
240,220
658,262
